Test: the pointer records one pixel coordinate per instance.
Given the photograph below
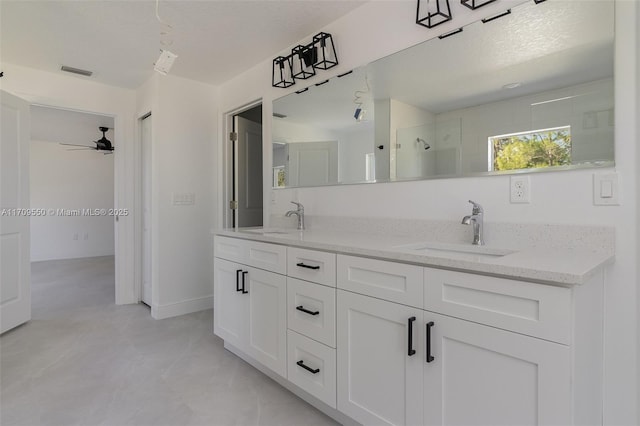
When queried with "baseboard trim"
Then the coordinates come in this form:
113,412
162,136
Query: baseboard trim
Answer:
305,396
181,308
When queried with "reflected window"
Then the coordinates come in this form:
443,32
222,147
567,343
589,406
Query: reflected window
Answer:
279,177
530,150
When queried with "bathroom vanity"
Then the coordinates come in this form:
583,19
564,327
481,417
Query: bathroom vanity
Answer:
398,330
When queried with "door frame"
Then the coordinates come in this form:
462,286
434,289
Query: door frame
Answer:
127,280
228,158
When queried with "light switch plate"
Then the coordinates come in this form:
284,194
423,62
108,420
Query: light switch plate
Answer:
605,189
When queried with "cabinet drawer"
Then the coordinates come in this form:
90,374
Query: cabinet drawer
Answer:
396,282
229,248
311,310
533,309
271,257
312,265
319,376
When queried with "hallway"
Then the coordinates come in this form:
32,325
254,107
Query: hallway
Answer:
82,360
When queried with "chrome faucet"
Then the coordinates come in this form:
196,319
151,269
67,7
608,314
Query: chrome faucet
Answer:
298,212
476,218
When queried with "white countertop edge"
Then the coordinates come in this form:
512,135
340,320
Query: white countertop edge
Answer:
528,265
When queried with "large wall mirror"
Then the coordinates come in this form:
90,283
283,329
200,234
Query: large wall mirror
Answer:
529,91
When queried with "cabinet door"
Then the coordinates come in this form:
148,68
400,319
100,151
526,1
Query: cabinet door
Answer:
230,305
482,375
267,319
379,382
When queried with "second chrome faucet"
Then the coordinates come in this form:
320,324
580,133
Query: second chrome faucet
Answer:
475,218
299,212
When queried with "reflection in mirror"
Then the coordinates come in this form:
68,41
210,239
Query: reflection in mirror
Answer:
532,90
325,135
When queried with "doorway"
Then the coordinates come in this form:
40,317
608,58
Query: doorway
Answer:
146,145
72,246
246,169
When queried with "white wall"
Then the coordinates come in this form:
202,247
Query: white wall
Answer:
184,128
82,94
62,179
563,197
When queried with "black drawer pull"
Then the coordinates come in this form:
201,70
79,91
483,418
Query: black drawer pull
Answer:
410,350
309,369
238,280
244,274
429,356
302,265
302,309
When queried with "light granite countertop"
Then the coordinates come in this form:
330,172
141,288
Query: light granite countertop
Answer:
565,266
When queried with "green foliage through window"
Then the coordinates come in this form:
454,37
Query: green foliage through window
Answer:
539,148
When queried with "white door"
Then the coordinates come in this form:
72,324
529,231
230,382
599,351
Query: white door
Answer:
480,375
230,303
249,173
146,209
312,163
379,377
267,319
15,272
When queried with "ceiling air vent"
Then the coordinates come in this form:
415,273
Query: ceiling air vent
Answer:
76,71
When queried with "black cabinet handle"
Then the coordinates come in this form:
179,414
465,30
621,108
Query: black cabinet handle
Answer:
429,356
306,367
238,280
244,274
410,350
302,309
302,265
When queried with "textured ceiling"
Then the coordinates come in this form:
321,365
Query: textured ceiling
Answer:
120,40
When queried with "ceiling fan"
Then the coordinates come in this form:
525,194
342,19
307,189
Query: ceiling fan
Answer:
102,144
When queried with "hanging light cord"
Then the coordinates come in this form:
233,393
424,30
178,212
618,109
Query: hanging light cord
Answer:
358,94
165,32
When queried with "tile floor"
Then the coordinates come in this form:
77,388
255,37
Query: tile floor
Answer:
82,360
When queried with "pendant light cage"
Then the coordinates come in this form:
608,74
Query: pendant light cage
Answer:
475,4
282,74
431,13
325,51
303,58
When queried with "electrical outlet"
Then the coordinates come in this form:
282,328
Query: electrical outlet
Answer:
75,236
520,189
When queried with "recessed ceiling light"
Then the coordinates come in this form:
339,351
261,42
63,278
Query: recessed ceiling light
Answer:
512,85
76,71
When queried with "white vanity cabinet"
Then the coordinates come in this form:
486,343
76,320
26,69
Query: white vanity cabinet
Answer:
250,303
390,343
379,361
480,375
488,351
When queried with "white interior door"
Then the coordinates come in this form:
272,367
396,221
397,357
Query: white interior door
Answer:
146,209
15,272
312,163
249,173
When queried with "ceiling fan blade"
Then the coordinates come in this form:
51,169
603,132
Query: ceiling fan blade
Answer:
75,144
80,149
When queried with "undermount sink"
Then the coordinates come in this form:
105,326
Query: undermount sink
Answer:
268,231
459,251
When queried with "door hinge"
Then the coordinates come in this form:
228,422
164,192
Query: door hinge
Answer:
233,136
233,205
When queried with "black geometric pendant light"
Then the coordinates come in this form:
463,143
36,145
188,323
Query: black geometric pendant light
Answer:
431,13
282,74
